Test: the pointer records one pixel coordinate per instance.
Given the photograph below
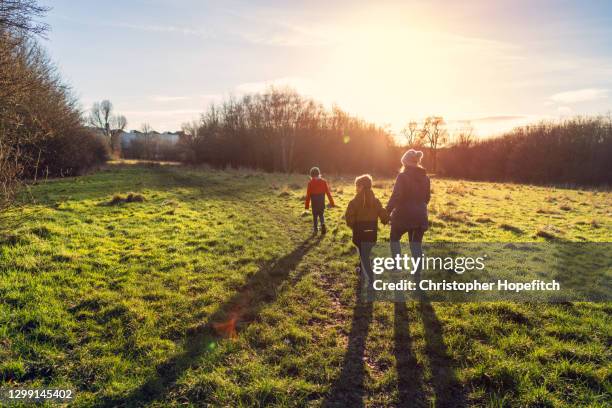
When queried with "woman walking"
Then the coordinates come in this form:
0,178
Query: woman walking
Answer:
408,205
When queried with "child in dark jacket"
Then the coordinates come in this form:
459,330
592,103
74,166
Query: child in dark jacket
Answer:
362,215
316,192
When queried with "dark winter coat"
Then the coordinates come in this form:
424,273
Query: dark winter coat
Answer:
362,215
408,203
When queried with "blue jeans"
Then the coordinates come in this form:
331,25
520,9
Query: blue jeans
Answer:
415,237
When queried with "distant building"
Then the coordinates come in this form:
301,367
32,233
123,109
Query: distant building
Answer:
166,137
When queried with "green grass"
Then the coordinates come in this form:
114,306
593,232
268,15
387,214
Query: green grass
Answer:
212,290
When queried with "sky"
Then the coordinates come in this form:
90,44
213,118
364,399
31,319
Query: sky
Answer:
489,65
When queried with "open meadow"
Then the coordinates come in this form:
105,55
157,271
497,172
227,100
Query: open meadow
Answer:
207,287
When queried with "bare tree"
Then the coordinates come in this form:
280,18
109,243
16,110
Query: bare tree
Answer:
22,16
111,125
280,130
191,129
99,116
10,170
19,60
146,129
412,134
465,136
147,132
434,131
41,132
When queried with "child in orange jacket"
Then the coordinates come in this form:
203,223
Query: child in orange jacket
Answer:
316,192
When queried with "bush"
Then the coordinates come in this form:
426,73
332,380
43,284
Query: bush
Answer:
70,154
573,152
41,133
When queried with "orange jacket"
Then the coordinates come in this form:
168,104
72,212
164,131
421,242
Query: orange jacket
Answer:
318,185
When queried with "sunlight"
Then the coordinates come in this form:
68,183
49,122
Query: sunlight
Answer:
391,72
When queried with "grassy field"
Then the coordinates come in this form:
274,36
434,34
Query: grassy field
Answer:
208,287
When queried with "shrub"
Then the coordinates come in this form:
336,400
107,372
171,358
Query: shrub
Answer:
41,133
575,151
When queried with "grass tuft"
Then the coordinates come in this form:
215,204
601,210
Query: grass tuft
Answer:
511,228
129,198
546,234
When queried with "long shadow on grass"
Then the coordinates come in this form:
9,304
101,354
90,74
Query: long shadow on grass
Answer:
348,389
261,289
448,390
409,372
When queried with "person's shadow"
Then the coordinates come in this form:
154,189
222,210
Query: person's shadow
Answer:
448,390
348,390
242,308
409,372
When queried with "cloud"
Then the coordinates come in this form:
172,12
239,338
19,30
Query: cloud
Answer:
580,95
170,112
210,97
284,39
205,98
565,111
164,29
278,30
165,98
302,85
494,125
488,120
499,118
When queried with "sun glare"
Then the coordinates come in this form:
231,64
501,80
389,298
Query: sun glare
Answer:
391,72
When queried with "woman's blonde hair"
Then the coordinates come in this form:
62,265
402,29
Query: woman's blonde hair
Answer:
367,196
365,181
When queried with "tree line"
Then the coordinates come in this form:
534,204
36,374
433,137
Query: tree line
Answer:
41,131
576,151
281,130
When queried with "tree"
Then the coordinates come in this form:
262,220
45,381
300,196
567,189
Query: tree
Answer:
147,131
434,131
280,130
17,24
412,134
21,15
41,132
465,136
189,140
191,129
111,125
